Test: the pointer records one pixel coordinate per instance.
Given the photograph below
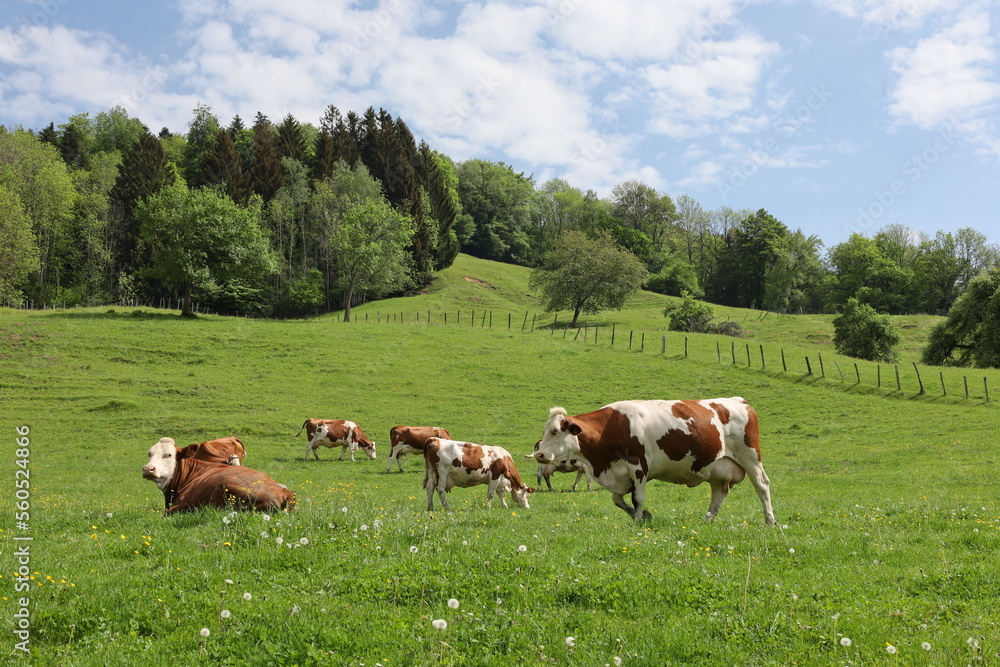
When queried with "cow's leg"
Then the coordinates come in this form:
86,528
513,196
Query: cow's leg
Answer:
578,476
619,500
430,485
394,456
312,446
443,495
761,482
638,498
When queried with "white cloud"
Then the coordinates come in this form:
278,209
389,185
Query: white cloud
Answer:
948,76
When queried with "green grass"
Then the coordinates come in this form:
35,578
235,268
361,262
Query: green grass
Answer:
887,501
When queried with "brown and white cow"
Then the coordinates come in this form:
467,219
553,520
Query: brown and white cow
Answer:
336,433
406,439
451,463
221,450
685,442
189,483
575,464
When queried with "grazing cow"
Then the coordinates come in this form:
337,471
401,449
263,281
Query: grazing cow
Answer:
451,463
189,483
406,439
574,464
336,433
684,442
221,450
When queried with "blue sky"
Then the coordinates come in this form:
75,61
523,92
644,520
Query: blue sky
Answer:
836,116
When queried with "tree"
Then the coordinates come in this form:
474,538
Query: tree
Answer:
438,180
587,274
265,171
861,332
223,167
200,237
496,211
861,270
202,131
367,246
791,280
18,251
114,131
970,335
760,239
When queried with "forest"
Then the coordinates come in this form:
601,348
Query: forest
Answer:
290,219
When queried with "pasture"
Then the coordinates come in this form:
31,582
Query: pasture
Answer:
885,552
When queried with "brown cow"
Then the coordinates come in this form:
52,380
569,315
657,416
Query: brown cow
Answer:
406,439
189,483
221,450
336,433
450,463
685,442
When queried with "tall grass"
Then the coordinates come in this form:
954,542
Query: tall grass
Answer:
888,515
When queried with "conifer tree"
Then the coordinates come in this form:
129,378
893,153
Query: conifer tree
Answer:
265,170
72,148
291,141
202,132
224,167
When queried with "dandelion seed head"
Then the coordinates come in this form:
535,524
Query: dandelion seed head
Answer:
522,548
344,510
890,649
845,641
229,581
279,540
571,642
247,597
413,549
926,646
440,624
304,541
225,519
205,632
225,613
296,609
266,517
453,603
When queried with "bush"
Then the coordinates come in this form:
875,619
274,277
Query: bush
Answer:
863,333
697,317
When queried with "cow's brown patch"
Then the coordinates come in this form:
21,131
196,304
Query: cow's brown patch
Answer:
472,458
722,411
703,440
605,436
751,434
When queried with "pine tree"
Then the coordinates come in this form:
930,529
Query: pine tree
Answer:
438,179
72,149
224,167
291,142
202,131
49,135
265,170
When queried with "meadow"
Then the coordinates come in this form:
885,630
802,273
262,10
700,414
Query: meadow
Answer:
886,499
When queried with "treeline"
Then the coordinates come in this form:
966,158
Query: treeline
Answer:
292,218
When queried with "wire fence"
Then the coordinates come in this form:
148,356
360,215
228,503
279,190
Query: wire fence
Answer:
854,374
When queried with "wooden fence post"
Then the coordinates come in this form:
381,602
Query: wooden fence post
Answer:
878,368
554,323
944,390
898,386
732,350
838,370
525,323
630,334
459,320
663,345
577,334
919,381
965,380
986,387
748,355
483,323
685,347
612,334
596,326
763,366
822,366
642,347
857,373
533,323
508,321
718,352
446,317
809,368
784,367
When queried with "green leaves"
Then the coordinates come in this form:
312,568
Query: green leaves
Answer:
861,332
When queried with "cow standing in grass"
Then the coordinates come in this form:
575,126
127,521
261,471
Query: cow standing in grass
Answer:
450,463
685,442
406,439
336,433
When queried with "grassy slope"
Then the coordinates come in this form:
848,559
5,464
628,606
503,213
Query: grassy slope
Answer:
889,507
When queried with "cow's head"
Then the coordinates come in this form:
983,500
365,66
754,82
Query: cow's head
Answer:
520,495
559,440
368,448
162,463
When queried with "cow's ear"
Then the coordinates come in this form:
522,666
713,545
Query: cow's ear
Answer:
573,428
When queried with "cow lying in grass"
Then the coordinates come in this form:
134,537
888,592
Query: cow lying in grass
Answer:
189,483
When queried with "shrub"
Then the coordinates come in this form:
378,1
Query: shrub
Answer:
861,332
697,317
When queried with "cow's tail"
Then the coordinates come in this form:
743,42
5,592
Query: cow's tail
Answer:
300,428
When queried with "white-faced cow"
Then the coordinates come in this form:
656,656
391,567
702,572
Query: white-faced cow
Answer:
451,463
221,450
406,439
685,442
189,483
336,433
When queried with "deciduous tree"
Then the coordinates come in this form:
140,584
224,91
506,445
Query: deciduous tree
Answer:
587,275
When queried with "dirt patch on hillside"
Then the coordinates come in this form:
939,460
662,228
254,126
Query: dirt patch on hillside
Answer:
478,282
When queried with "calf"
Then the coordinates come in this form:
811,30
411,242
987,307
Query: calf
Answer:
406,439
450,463
336,433
189,483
